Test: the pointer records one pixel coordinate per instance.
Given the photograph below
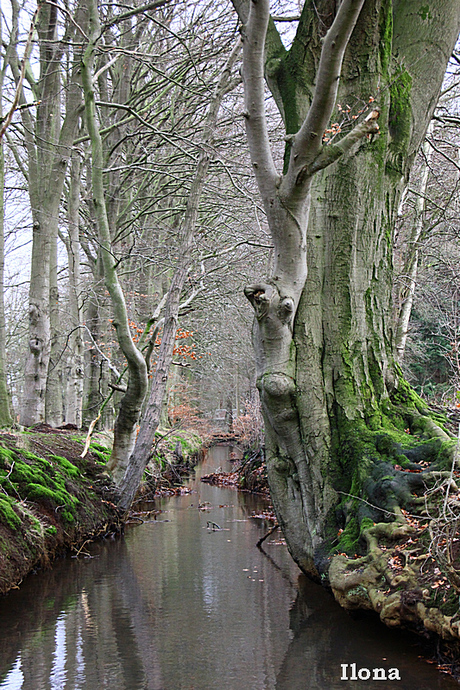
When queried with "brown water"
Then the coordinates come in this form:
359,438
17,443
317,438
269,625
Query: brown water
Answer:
177,606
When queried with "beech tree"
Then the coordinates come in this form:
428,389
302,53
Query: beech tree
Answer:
334,401
48,137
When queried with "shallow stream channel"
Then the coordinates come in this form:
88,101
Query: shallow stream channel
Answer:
178,604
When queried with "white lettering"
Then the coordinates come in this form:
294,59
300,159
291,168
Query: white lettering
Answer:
366,673
353,672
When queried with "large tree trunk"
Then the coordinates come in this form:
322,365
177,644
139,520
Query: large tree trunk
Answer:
327,382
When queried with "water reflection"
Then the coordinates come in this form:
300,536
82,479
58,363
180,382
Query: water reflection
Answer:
325,637
177,606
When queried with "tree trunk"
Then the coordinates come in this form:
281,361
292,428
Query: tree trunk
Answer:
125,425
129,474
5,416
323,329
53,397
75,363
48,144
409,266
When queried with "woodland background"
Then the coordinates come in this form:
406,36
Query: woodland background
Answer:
155,78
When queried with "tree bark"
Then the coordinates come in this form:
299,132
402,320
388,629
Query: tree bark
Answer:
409,266
48,144
53,395
323,330
125,425
5,416
75,362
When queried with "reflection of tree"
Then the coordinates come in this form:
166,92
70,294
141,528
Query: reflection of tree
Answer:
78,623
325,636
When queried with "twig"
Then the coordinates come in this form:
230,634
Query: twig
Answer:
14,105
90,433
269,533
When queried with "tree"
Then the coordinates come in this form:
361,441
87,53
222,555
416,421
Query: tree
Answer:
48,140
135,465
328,381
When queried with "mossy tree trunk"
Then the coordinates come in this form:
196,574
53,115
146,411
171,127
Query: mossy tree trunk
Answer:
323,329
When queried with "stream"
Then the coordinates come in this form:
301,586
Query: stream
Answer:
178,605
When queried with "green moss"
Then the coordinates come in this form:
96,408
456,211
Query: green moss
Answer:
405,395
68,516
32,456
51,530
67,466
55,496
7,514
386,38
400,118
100,452
424,13
7,455
349,538
366,523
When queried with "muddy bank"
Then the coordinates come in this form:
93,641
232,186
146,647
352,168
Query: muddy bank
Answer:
51,500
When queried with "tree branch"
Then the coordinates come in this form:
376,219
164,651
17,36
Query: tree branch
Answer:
308,141
18,93
331,153
131,13
254,96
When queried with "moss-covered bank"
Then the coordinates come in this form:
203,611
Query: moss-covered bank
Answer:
51,500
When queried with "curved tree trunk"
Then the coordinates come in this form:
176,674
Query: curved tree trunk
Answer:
323,329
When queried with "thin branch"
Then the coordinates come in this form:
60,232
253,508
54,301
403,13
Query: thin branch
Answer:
18,93
137,10
104,68
331,153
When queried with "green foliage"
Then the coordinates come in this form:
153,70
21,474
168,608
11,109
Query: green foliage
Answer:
51,530
427,366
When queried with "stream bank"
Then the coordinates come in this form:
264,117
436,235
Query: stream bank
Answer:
53,501
179,605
